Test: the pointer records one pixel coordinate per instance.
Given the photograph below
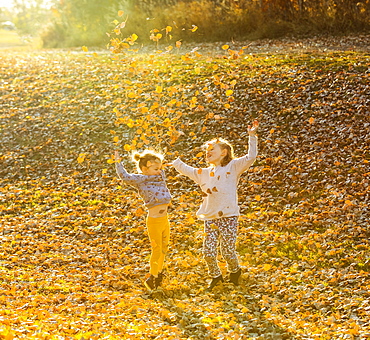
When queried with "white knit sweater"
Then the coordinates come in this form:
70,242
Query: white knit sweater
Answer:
219,184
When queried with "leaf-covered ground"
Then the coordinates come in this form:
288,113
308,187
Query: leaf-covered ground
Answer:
74,250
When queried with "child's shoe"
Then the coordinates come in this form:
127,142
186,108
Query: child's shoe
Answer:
234,277
214,282
151,282
159,279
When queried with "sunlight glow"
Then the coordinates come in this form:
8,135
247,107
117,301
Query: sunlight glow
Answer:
6,3
10,3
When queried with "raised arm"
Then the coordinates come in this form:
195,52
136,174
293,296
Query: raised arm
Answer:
186,170
243,163
131,179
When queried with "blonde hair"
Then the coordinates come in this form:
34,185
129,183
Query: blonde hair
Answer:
146,156
224,145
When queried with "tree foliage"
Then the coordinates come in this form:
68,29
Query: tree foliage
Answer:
29,17
76,23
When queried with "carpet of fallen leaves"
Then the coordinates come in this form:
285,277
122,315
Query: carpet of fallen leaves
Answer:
74,250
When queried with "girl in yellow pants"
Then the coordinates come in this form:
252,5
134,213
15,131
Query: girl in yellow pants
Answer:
152,188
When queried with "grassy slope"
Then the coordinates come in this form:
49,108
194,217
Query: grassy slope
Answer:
10,39
73,244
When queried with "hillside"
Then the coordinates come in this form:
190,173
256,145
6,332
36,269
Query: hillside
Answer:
74,251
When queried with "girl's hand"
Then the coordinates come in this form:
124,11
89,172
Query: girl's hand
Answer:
252,130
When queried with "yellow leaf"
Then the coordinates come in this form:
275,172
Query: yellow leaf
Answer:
116,139
266,267
229,92
191,220
127,147
159,89
168,29
167,122
257,197
245,310
81,157
311,120
139,212
225,47
194,28
104,171
85,49
199,154
178,44
120,13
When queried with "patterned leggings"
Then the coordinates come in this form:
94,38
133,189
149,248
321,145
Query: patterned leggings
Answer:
221,231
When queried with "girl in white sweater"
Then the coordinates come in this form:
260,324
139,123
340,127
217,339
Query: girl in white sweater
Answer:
219,209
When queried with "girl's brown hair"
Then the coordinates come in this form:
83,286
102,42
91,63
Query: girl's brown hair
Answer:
224,145
146,156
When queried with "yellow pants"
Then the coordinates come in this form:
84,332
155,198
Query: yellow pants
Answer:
159,235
